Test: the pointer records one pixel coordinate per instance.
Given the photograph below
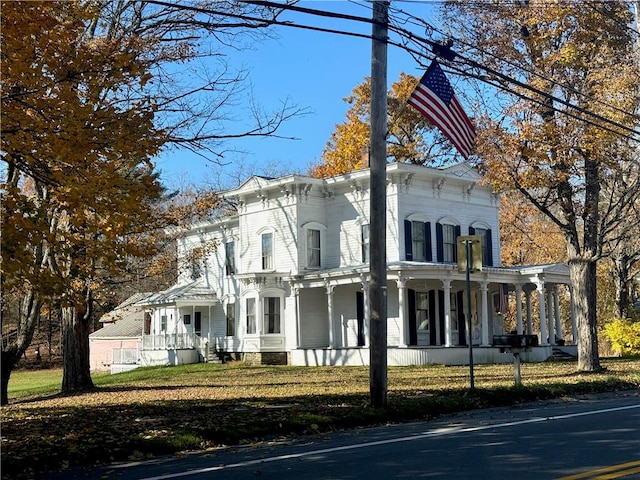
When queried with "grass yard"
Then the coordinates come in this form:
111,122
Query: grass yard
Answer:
151,411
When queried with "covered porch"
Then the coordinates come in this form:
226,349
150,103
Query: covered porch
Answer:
178,323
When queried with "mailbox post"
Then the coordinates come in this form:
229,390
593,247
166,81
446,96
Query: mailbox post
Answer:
515,344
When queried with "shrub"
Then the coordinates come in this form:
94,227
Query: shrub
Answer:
624,335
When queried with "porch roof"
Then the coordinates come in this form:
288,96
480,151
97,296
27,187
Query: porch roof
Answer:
197,292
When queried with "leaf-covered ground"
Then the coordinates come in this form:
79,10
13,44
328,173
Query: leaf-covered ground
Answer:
164,410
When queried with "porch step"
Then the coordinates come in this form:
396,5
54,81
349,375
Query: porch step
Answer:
215,356
559,354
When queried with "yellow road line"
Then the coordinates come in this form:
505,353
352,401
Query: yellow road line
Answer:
613,471
620,474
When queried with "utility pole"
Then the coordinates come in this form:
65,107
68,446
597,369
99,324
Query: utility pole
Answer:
378,208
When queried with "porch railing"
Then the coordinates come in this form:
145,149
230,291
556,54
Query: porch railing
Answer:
125,356
177,341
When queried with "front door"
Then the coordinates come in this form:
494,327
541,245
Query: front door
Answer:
360,318
197,323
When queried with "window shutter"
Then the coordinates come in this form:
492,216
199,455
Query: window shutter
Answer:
456,235
428,256
489,249
413,328
462,325
472,231
408,241
439,243
432,317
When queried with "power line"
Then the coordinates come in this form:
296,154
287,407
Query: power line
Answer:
424,41
530,72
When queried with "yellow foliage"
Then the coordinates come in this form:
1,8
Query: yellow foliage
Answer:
624,335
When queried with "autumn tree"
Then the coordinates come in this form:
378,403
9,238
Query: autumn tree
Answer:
83,114
565,133
410,139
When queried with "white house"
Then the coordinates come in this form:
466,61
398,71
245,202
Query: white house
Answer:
285,276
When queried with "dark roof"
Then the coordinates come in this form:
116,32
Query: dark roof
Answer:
195,291
126,320
126,328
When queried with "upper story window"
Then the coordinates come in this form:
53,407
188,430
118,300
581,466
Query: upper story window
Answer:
267,251
196,268
447,234
313,248
417,240
365,243
487,244
229,258
314,241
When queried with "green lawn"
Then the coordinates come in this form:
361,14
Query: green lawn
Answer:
152,411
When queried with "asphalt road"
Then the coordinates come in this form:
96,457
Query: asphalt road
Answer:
596,436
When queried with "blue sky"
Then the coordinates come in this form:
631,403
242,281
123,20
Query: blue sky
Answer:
313,70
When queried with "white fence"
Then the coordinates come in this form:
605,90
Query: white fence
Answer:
175,341
125,356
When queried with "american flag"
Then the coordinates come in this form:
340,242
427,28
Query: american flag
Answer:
435,99
503,308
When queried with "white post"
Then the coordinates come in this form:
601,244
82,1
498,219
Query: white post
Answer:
448,331
550,312
519,309
543,314
402,321
484,287
329,289
527,298
556,307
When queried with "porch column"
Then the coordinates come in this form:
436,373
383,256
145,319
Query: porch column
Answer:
518,309
543,313
527,299
550,312
448,331
574,326
402,321
484,287
365,290
329,289
556,308
296,297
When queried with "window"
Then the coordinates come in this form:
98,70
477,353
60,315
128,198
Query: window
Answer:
251,315
163,323
313,248
417,241
231,319
422,311
186,319
454,311
272,314
267,251
230,258
449,243
364,240
487,254
447,234
196,268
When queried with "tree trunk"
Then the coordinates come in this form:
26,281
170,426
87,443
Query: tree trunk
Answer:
9,359
621,270
583,278
13,350
76,375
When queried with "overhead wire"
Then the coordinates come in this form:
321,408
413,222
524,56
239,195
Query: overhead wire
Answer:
420,22
424,41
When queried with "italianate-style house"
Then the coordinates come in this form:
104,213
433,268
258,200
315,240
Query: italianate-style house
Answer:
284,277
